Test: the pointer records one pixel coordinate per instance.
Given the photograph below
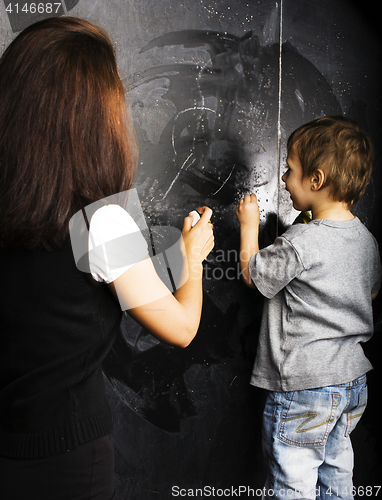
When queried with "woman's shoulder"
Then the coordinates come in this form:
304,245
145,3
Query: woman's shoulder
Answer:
111,221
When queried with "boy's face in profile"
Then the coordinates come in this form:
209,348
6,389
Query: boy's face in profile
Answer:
298,186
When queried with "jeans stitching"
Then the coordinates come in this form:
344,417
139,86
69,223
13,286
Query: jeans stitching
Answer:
335,400
350,415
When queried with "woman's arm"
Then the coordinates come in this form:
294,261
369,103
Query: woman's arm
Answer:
173,318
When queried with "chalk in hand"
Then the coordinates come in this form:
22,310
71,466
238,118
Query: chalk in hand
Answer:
196,216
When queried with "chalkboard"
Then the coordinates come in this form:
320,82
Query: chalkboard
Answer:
215,88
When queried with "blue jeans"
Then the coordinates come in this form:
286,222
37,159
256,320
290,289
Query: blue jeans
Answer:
307,444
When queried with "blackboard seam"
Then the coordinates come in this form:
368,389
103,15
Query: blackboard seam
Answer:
279,120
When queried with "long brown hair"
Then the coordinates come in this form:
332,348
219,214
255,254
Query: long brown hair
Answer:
66,139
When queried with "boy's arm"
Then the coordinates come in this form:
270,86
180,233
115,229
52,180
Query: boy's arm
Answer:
248,214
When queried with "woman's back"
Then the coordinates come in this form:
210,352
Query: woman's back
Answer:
57,326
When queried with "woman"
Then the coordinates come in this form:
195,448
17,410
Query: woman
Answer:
66,141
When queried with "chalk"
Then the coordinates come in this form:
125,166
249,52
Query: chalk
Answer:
196,216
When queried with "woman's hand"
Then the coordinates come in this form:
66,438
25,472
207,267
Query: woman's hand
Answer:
247,211
198,240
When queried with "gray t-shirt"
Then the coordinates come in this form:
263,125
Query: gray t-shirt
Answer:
317,279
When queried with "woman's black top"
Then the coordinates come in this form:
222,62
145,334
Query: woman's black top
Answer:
57,325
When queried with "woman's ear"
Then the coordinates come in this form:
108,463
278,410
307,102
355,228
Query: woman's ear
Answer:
317,179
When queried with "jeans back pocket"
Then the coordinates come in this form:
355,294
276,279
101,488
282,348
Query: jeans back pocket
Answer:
307,417
356,412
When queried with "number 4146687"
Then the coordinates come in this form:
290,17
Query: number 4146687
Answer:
360,491
34,8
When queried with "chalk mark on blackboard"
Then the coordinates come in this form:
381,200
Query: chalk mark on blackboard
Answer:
183,167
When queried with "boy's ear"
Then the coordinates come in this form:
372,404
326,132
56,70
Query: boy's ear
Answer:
317,179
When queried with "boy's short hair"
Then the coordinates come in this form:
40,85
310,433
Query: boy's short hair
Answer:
341,149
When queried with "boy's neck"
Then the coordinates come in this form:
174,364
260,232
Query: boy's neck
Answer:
333,210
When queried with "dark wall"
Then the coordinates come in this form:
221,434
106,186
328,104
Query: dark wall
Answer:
203,80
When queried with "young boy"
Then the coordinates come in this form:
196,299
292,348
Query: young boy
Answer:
319,280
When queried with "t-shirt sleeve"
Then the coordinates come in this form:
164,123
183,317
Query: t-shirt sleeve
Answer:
115,243
273,267
376,270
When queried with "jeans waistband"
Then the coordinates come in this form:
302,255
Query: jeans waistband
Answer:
358,381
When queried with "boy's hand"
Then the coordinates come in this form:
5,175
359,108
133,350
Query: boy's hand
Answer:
247,211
